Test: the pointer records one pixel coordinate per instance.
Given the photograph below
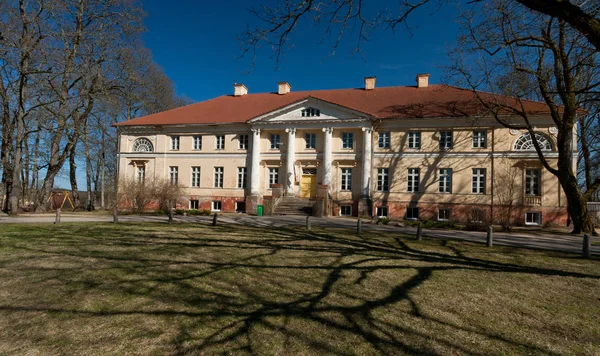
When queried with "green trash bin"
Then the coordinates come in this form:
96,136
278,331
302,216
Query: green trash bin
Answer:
259,210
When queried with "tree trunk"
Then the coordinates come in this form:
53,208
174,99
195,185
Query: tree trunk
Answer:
73,178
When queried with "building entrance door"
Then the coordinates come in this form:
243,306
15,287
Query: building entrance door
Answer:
308,186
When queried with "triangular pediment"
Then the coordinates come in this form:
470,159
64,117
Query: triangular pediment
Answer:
311,110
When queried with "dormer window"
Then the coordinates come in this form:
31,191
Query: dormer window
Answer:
311,112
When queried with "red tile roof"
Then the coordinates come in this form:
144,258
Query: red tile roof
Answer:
382,103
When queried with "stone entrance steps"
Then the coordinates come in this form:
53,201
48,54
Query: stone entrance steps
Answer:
294,206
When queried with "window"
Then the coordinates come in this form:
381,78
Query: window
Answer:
525,143
414,139
346,178
242,175
194,204
533,218
413,180
218,177
273,176
142,145
346,210
175,143
478,181
444,214
197,143
412,213
195,177
310,112
216,205
240,207
478,215
173,175
445,180
141,174
347,140
381,211
243,142
445,140
383,180
532,182
311,140
275,141
220,142
384,140
479,139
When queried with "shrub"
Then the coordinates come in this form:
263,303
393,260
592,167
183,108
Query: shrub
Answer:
383,221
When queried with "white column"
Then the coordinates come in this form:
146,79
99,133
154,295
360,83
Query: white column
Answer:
291,158
327,156
366,161
255,158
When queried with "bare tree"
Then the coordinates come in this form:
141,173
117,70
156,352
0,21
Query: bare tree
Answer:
506,191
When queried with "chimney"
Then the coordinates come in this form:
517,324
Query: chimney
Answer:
423,80
283,88
370,83
239,89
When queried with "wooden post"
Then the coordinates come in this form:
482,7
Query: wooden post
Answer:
214,220
420,232
115,215
57,219
170,215
358,227
587,246
308,226
490,237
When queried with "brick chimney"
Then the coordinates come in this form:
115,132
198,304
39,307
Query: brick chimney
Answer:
423,80
370,83
283,88
239,89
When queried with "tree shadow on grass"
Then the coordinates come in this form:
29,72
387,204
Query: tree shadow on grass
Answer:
240,289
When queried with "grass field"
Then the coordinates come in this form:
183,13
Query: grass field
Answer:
196,289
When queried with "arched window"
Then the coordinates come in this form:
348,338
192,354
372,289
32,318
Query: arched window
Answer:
525,143
142,145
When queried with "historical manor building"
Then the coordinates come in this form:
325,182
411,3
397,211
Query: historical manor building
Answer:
407,152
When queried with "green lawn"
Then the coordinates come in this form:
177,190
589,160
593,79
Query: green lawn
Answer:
190,289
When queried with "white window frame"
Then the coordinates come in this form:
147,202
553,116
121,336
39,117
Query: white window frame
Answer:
191,205
242,177
311,141
479,139
197,143
346,177
383,141
345,206
413,180
537,221
414,140
446,140
140,175
273,176
347,140
243,142
173,175
175,141
381,211
532,182
412,209
478,181
142,145
445,180
195,177
275,141
219,142
383,180
448,218
310,112
219,172
216,205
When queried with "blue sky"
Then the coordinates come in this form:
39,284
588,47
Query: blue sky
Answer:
194,42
